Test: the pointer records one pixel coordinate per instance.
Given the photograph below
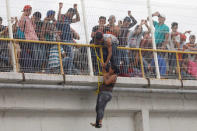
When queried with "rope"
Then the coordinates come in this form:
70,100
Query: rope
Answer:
100,73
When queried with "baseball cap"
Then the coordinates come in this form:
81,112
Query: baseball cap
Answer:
27,7
162,15
50,12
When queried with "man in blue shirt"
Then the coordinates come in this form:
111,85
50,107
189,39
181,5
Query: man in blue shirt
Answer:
161,31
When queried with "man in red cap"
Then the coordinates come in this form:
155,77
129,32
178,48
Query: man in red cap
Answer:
27,26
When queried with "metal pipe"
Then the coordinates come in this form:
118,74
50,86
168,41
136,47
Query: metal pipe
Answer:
153,39
90,88
87,38
10,34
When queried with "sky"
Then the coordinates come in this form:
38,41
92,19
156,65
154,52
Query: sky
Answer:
181,11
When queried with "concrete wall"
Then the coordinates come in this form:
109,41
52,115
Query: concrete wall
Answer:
63,110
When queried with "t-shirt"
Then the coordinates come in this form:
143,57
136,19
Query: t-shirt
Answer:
171,45
113,38
123,36
160,32
38,28
2,27
66,19
54,60
30,34
134,41
66,34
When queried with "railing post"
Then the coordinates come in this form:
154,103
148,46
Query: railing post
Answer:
87,38
101,52
153,39
178,66
10,34
60,58
141,62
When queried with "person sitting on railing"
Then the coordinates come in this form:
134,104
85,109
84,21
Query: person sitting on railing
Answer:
110,52
134,39
112,28
102,28
128,23
105,93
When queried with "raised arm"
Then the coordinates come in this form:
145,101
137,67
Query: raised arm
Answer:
109,48
134,21
59,12
77,14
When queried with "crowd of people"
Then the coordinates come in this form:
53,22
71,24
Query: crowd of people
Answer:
37,57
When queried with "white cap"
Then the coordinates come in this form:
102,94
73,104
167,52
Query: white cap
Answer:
162,15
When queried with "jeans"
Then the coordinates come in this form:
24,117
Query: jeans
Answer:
124,57
40,52
103,98
67,64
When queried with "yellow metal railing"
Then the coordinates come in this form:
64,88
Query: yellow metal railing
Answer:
140,50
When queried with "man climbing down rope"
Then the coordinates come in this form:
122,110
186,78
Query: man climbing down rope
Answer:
105,93
110,52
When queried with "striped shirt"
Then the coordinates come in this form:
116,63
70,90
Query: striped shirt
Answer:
54,56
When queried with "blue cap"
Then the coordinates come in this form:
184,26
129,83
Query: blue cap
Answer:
50,12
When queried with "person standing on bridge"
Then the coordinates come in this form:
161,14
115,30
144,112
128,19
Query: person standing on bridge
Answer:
105,93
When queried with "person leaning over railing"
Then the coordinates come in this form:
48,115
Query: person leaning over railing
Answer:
101,27
110,51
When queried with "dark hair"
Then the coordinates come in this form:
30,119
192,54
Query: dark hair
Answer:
127,19
37,14
99,35
102,17
115,68
192,36
71,10
1,19
174,24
